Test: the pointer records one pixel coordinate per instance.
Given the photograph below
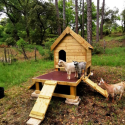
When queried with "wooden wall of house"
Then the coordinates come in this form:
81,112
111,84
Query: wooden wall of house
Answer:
89,57
74,50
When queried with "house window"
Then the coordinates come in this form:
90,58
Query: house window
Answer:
62,55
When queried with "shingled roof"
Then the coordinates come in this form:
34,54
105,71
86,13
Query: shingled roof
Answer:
78,38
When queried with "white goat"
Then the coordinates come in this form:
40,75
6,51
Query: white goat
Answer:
69,67
113,89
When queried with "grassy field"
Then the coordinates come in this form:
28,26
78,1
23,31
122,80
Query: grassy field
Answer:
20,72
112,57
93,108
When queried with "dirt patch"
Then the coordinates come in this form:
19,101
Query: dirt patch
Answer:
93,108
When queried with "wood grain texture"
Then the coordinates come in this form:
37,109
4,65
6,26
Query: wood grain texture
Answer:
42,102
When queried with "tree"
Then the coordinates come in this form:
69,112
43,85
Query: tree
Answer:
89,21
76,15
42,16
21,44
57,12
97,27
69,12
13,14
123,20
25,6
109,21
101,27
64,15
83,19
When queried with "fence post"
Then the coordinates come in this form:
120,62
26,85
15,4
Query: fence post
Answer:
5,54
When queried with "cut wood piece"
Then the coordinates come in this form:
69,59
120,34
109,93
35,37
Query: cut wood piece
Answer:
34,95
37,91
95,86
50,82
37,113
44,96
73,101
33,121
43,100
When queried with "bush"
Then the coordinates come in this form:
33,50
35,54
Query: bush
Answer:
21,42
97,49
47,50
10,41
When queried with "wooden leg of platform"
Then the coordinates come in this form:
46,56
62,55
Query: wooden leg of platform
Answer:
37,86
73,90
37,91
75,101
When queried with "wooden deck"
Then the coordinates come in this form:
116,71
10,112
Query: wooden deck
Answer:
61,78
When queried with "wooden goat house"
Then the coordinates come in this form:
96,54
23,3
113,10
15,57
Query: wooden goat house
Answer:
70,46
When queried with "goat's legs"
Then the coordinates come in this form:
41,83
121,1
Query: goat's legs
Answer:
112,97
120,97
107,98
68,75
76,74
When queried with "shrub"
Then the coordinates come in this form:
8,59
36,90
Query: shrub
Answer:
10,41
97,48
47,50
21,42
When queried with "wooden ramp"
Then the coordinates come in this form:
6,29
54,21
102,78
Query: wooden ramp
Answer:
42,103
95,86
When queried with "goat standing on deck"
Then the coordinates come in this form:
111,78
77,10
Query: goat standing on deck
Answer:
69,67
113,89
79,66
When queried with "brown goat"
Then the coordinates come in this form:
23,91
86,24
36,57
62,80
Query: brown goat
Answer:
113,89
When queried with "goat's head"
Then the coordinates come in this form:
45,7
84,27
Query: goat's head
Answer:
101,82
91,74
76,64
60,63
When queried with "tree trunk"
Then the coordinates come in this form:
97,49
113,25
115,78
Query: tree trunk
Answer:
64,16
5,54
28,35
24,53
35,53
101,27
83,19
89,21
97,27
76,15
57,12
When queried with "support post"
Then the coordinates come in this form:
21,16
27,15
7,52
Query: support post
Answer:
73,90
75,101
37,91
37,86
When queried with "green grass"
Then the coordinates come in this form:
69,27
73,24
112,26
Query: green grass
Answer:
19,72
114,37
112,57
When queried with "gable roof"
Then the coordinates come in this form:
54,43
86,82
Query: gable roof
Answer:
79,39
